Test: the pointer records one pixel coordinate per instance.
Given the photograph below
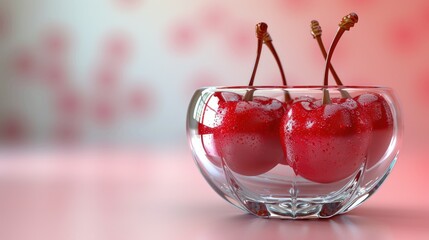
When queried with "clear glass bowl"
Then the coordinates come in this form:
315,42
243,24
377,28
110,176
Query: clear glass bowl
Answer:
280,152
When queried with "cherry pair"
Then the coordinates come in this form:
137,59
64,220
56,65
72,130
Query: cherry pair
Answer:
328,140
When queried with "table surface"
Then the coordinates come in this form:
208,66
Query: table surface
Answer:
137,194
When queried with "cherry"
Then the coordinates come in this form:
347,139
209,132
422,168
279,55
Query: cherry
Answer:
373,104
247,136
326,142
207,126
243,133
377,108
245,129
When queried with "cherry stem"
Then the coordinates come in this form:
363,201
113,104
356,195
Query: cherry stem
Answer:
329,56
326,98
316,31
264,38
346,23
249,95
269,42
261,29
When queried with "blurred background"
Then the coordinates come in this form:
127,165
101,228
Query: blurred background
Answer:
121,72
118,75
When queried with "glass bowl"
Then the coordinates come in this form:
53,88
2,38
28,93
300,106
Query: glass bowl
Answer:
295,152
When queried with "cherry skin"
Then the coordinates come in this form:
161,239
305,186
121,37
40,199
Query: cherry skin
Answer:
287,107
206,134
246,134
325,143
377,108
209,124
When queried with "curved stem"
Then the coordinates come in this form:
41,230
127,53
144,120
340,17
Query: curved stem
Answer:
329,56
255,67
326,97
276,57
331,68
264,37
270,45
344,93
346,23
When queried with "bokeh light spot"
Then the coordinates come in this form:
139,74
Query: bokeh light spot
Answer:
56,42
117,49
401,36
140,100
13,130
24,63
104,112
183,37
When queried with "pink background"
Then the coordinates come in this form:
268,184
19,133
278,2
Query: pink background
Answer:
91,74
122,71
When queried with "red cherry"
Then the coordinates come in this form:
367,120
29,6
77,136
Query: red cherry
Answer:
245,129
284,161
245,133
377,108
206,134
325,142
207,125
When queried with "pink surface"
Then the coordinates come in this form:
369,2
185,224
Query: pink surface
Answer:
131,194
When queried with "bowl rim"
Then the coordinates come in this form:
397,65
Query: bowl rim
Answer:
298,87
